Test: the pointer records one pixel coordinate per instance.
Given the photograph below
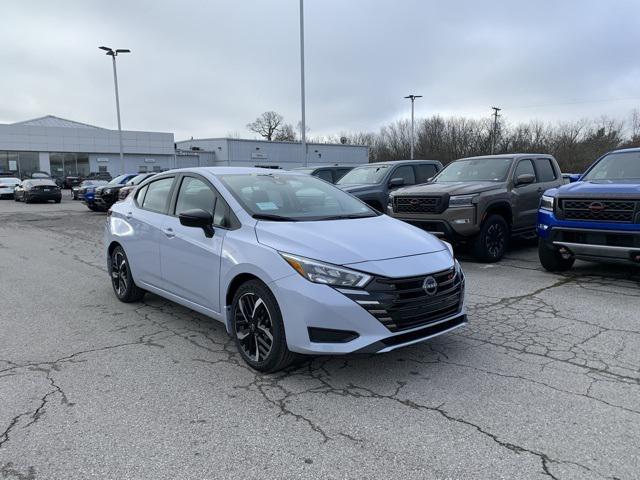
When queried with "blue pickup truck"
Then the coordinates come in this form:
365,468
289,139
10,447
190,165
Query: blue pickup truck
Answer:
596,217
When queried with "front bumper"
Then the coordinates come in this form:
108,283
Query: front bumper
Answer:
105,201
597,241
306,305
6,191
454,223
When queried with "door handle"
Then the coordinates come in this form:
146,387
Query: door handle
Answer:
169,232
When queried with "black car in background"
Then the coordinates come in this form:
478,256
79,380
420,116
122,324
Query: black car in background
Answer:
71,181
328,173
107,195
37,190
99,176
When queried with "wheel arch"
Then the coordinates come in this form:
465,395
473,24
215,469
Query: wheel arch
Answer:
502,208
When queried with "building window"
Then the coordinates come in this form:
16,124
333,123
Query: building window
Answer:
157,168
102,168
142,169
69,164
21,164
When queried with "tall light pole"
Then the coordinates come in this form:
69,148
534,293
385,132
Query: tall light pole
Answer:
303,133
114,53
413,98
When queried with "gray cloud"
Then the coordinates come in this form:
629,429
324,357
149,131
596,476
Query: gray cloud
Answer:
207,68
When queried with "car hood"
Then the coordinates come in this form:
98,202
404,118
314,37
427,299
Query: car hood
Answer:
358,187
451,188
598,189
348,241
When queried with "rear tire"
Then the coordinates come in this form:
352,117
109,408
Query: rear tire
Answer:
121,279
491,243
551,259
258,328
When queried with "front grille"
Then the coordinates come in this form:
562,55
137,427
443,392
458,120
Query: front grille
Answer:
595,210
402,303
416,204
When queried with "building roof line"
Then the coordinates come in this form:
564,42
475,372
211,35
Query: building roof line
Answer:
62,121
265,141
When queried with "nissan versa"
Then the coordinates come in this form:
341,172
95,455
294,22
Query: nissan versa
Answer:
291,264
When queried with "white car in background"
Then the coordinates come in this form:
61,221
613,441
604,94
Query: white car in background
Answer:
7,186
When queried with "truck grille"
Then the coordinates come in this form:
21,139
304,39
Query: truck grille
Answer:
416,204
599,210
402,303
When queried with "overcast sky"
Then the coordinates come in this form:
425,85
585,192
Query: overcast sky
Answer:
207,68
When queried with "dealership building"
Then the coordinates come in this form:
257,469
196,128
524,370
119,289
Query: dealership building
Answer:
262,153
63,147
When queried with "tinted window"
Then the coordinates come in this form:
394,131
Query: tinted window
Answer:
340,172
425,172
157,195
141,193
325,175
406,173
194,193
546,173
523,168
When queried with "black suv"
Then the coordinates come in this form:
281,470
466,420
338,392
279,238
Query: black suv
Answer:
372,182
107,195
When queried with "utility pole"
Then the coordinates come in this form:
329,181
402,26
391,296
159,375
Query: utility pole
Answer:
303,133
413,98
495,128
113,54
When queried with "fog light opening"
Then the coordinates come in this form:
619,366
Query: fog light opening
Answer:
565,253
635,257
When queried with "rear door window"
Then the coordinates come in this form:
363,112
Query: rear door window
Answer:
156,198
546,172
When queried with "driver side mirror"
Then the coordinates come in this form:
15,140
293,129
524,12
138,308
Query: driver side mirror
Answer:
198,218
396,182
525,179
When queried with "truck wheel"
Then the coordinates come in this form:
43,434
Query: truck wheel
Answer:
491,243
551,259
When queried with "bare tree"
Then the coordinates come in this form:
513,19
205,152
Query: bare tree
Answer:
267,125
286,134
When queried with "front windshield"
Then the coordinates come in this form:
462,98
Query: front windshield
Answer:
118,180
369,174
475,170
293,198
624,166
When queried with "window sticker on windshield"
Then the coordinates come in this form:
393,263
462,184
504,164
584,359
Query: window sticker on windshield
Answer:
267,206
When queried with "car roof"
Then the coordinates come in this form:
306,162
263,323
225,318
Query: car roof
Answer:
315,167
399,162
621,150
508,155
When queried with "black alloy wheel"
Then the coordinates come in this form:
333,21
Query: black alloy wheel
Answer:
491,243
121,280
258,328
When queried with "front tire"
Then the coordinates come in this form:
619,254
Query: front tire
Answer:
551,259
258,328
121,279
491,243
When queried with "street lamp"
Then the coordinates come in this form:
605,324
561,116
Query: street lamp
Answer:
413,98
303,133
114,53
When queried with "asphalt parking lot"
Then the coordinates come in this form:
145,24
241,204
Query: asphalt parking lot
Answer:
543,383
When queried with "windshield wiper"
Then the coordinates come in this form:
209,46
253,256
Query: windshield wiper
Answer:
275,218
356,215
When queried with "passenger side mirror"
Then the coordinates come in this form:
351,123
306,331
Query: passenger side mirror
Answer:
198,218
525,179
574,177
396,182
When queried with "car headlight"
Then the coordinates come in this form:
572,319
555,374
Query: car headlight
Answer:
547,202
325,273
461,200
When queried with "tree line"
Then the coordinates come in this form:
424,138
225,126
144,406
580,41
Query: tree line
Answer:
574,144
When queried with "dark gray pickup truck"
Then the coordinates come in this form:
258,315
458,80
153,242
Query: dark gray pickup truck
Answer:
372,182
480,200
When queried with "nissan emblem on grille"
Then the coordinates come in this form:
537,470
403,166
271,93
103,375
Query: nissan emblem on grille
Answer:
430,286
596,207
